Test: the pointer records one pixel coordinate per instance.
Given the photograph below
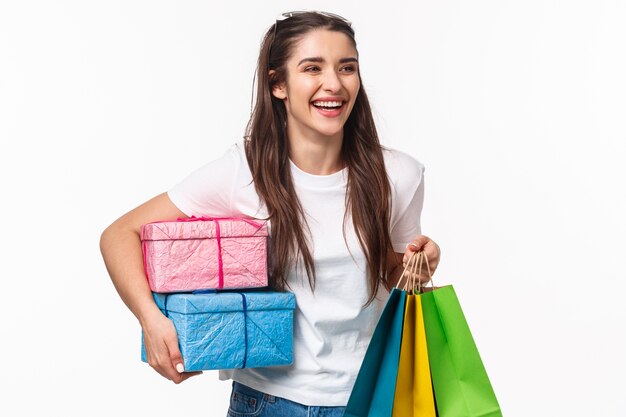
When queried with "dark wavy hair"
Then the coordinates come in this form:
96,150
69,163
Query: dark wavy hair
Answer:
267,151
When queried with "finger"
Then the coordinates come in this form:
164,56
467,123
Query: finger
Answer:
186,375
176,362
157,368
410,251
165,368
431,248
159,361
407,254
154,353
418,243
433,253
170,360
415,245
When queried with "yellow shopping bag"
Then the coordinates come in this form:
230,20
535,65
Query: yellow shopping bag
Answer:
414,390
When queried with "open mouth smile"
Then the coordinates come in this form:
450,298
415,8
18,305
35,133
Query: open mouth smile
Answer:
329,108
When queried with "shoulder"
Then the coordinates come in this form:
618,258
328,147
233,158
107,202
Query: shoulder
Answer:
238,151
208,191
402,169
230,162
224,167
235,154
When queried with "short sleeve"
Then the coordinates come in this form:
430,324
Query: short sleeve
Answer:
409,224
208,190
406,175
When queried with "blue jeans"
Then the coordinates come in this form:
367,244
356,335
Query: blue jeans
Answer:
248,402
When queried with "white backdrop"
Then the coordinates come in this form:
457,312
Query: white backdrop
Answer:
515,107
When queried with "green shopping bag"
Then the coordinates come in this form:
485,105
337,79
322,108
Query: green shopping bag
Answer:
460,382
373,392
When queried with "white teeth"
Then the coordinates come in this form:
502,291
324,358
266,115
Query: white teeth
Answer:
327,103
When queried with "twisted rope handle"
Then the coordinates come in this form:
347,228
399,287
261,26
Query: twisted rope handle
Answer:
408,264
414,266
423,258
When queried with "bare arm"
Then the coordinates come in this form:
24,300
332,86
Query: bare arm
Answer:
121,249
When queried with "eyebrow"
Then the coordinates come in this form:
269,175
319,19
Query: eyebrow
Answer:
320,59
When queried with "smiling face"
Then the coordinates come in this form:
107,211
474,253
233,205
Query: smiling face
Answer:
322,83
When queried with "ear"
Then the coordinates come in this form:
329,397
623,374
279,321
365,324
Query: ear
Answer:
279,90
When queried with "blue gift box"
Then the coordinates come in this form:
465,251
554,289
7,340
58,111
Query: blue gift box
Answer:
228,330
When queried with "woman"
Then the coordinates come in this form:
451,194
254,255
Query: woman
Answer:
344,212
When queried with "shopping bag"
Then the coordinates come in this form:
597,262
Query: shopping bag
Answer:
373,392
460,382
414,390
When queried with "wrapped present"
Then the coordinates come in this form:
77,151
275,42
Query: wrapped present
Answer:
205,253
228,330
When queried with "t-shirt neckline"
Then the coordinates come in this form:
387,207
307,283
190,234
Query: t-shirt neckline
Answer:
303,178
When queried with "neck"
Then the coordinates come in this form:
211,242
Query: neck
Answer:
319,155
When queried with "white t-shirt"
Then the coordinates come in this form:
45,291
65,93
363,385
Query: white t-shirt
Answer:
331,328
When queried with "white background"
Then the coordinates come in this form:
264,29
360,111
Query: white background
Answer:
517,109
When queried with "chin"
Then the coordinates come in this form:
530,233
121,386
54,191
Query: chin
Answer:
331,135
330,132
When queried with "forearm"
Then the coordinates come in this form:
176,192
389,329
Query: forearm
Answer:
121,250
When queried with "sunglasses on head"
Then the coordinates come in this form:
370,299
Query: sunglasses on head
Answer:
287,15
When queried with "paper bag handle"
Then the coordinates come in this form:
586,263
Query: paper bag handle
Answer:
415,265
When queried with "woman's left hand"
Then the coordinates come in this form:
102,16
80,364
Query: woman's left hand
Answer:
430,248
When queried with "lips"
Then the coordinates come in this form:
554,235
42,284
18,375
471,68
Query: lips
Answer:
329,106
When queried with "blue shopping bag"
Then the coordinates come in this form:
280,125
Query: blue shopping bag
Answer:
375,386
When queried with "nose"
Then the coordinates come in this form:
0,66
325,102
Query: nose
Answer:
331,82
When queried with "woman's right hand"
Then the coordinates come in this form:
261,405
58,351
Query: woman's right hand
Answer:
163,354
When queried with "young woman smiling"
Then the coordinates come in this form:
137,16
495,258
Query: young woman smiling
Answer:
344,211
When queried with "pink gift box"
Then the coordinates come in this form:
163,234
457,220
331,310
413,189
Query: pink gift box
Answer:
205,254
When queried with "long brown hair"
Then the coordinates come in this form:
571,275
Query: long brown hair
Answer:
267,150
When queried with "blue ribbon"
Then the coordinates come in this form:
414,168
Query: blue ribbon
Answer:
245,328
165,307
